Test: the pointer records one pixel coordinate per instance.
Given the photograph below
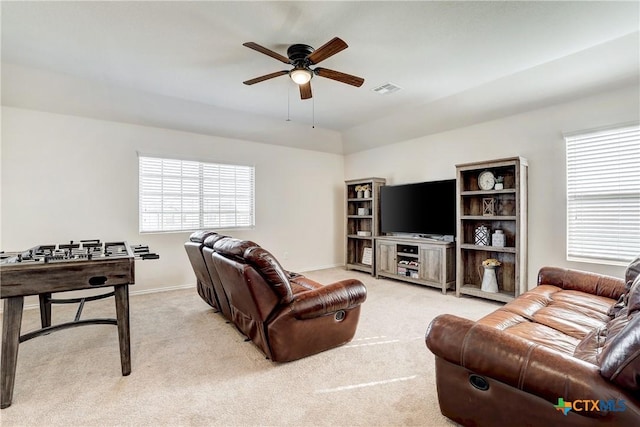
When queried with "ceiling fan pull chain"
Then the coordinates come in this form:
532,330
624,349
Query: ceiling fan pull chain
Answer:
313,113
288,104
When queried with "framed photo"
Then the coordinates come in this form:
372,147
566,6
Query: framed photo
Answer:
367,255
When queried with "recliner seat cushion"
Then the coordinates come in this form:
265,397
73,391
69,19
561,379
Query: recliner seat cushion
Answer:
552,316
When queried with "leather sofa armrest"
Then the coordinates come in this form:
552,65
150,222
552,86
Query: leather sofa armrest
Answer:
513,360
328,299
592,283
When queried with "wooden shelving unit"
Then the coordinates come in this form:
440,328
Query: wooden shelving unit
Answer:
509,214
358,224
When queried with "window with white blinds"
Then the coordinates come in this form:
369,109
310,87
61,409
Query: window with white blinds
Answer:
181,195
603,195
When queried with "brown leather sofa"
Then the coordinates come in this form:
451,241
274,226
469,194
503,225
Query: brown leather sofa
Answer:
286,315
204,285
566,353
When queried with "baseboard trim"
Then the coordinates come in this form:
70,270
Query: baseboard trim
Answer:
163,289
322,267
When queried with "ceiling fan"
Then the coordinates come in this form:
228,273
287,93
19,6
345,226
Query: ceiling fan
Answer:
302,57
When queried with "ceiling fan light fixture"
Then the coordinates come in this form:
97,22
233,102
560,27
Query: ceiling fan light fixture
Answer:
301,75
301,57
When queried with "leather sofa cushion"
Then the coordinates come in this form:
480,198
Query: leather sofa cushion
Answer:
620,357
271,270
595,347
590,347
212,239
583,281
553,317
233,248
633,298
200,236
616,347
303,284
632,271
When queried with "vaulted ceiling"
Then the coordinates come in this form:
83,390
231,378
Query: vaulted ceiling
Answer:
181,65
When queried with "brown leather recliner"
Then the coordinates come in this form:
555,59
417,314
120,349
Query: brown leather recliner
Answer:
216,283
285,314
196,257
565,353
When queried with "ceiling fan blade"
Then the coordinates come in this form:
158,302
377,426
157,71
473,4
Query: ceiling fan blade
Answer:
268,52
338,76
305,91
328,49
266,77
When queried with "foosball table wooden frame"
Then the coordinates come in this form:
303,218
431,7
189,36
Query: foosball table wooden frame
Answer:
22,279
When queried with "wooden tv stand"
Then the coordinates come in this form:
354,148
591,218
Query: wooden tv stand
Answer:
422,261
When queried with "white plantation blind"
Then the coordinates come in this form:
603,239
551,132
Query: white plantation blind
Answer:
603,195
181,195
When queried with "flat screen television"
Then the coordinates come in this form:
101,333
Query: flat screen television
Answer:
426,208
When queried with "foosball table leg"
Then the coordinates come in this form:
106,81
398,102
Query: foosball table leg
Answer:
122,315
12,318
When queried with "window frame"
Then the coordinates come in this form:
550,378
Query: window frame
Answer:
587,194
201,188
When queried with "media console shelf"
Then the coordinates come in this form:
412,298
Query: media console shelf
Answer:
422,261
496,207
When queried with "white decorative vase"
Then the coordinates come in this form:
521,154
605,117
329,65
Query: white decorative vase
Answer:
367,194
482,236
489,280
497,239
360,194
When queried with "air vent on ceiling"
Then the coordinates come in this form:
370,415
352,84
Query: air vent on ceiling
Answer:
386,88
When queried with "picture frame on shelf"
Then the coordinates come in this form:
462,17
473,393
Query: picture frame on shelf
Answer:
367,256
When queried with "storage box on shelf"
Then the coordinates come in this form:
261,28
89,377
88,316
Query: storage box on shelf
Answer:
362,222
503,207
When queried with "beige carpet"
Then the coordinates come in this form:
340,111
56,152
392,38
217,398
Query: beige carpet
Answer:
189,367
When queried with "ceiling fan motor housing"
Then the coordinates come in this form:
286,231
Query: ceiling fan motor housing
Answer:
298,54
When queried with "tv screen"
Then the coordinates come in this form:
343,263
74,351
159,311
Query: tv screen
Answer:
424,208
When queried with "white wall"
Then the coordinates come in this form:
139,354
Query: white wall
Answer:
70,178
66,177
537,136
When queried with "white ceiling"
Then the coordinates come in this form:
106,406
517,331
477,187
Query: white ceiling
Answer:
181,64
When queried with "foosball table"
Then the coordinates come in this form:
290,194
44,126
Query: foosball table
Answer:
47,269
